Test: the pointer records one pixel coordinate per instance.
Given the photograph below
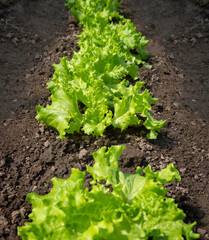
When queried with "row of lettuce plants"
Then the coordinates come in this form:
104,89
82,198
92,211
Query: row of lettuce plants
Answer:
91,92
127,206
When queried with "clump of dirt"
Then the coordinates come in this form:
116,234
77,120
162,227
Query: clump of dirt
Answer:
36,34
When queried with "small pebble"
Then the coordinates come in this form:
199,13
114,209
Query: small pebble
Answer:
34,188
2,174
199,35
182,170
2,162
171,56
201,231
15,41
37,56
82,153
181,76
193,41
27,76
33,41
22,212
207,236
53,168
15,216
196,177
47,144
176,104
9,35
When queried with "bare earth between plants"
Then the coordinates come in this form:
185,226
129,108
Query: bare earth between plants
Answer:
36,34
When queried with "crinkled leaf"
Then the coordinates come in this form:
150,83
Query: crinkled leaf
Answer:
63,114
153,125
96,120
106,165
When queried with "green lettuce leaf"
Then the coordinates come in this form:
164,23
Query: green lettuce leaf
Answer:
63,114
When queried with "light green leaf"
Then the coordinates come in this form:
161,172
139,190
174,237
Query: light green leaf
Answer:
106,165
153,125
63,114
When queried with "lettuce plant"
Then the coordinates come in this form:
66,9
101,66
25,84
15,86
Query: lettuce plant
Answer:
133,206
91,92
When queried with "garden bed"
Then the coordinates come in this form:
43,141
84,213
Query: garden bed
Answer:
36,34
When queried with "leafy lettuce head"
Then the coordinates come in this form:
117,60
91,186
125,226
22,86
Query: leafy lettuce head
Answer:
135,207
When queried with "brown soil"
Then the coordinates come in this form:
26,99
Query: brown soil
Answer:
34,35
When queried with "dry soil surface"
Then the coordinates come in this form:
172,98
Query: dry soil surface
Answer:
35,34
